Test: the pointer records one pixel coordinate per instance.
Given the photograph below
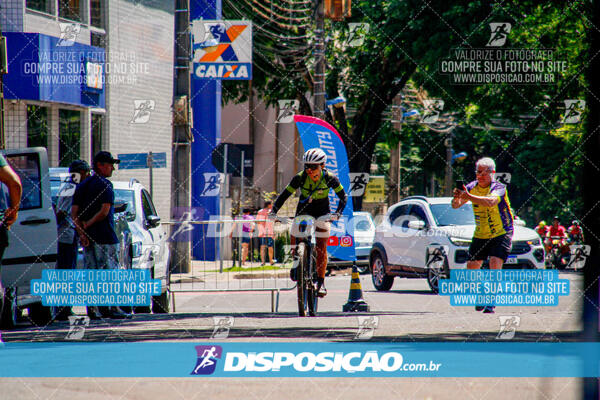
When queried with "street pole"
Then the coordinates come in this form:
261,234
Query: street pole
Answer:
319,79
181,147
448,178
395,154
222,193
150,161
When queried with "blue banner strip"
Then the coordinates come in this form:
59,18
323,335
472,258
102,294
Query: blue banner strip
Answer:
312,359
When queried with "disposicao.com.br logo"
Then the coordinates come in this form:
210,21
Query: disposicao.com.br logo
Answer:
371,361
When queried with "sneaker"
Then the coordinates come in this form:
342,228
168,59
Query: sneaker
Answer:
479,308
321,290
489,310
293,274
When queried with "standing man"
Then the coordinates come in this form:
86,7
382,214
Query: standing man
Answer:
266,233
493,219
247,229
8,214
93,215
79,171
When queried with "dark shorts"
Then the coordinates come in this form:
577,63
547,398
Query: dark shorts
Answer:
481,249
245,239
267,241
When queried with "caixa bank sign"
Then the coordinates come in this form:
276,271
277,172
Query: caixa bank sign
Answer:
292,364
222,49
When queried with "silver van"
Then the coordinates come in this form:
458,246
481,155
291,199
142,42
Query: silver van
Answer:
32,238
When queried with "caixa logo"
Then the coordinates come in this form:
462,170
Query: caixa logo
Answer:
207,359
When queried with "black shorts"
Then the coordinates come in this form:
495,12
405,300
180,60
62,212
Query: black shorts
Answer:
499,246
267,241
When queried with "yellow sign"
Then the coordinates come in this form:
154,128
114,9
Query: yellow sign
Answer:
375,191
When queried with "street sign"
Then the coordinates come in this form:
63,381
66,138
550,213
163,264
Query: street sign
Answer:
234,158
140,160
375,191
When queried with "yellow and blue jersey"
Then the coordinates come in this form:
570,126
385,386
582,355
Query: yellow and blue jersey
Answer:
492,221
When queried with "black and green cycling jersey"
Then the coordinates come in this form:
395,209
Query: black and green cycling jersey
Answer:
314,196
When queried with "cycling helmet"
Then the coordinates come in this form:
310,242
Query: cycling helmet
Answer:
314,156
575,222
556,217
542,223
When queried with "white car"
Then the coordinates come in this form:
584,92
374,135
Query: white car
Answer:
149,248
423,237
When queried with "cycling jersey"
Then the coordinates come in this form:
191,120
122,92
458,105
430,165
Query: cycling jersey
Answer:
558,231
492,221
542,231
314,196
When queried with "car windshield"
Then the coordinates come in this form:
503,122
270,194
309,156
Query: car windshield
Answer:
126,196
445,215
362,223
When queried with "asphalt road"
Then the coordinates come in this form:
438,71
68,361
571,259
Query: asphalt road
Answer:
408,312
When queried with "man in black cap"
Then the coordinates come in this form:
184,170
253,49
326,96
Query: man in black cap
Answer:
79,170
93,214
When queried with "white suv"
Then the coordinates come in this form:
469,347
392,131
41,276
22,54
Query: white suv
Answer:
423,237
149,247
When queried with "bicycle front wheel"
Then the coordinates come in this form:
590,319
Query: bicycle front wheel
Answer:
302,259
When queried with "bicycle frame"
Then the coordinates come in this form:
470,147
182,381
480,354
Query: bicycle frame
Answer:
306,272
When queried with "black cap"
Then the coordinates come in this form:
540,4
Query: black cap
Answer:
105,157
79,165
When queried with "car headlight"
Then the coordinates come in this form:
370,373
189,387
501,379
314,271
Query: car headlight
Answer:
534,242
136,249
460,242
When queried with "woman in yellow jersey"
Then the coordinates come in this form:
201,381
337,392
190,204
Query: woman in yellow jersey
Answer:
493,219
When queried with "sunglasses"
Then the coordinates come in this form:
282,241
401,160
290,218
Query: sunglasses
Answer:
311,166
482,172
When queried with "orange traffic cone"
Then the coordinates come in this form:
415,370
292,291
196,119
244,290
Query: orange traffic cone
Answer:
355,297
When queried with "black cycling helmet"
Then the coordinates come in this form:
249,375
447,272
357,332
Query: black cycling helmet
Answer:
79,165
556,217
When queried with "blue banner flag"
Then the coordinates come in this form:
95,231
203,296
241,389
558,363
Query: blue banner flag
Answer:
315,132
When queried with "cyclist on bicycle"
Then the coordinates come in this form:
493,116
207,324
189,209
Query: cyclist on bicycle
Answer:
557,230
542,229
314,183
575,233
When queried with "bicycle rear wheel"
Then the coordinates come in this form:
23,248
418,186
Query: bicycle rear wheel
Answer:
302,257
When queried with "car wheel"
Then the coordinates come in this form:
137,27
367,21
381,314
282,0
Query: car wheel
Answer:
41,315
142,309
435,272
8,309
381,280
160,304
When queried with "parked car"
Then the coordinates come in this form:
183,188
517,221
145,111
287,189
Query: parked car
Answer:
32,238
364,233
60,176
149,249
424,237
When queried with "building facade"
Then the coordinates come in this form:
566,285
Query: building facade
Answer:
90,75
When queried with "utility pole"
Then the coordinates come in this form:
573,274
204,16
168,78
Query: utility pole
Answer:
448,178
319,78
182,137
395,153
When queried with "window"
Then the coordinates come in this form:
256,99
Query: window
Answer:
398,215
40,5
27,166
98,39
70,9
96,129
445,215
69,129
37,126
147,205
96,14
126,196
418,212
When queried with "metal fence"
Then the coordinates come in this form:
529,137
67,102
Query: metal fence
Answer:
226,273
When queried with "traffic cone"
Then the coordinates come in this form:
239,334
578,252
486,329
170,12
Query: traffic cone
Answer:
355,297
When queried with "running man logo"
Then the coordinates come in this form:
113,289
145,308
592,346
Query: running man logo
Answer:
68,34
207,359
357,33
222,327
67,189
366,327
222,49
433,109
500,31
77,325
182,231
358,183
579,254
287,110
212,184
573,111
503,177
508,326
142,110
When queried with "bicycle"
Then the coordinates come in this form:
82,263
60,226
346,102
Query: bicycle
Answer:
555,258
305,264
